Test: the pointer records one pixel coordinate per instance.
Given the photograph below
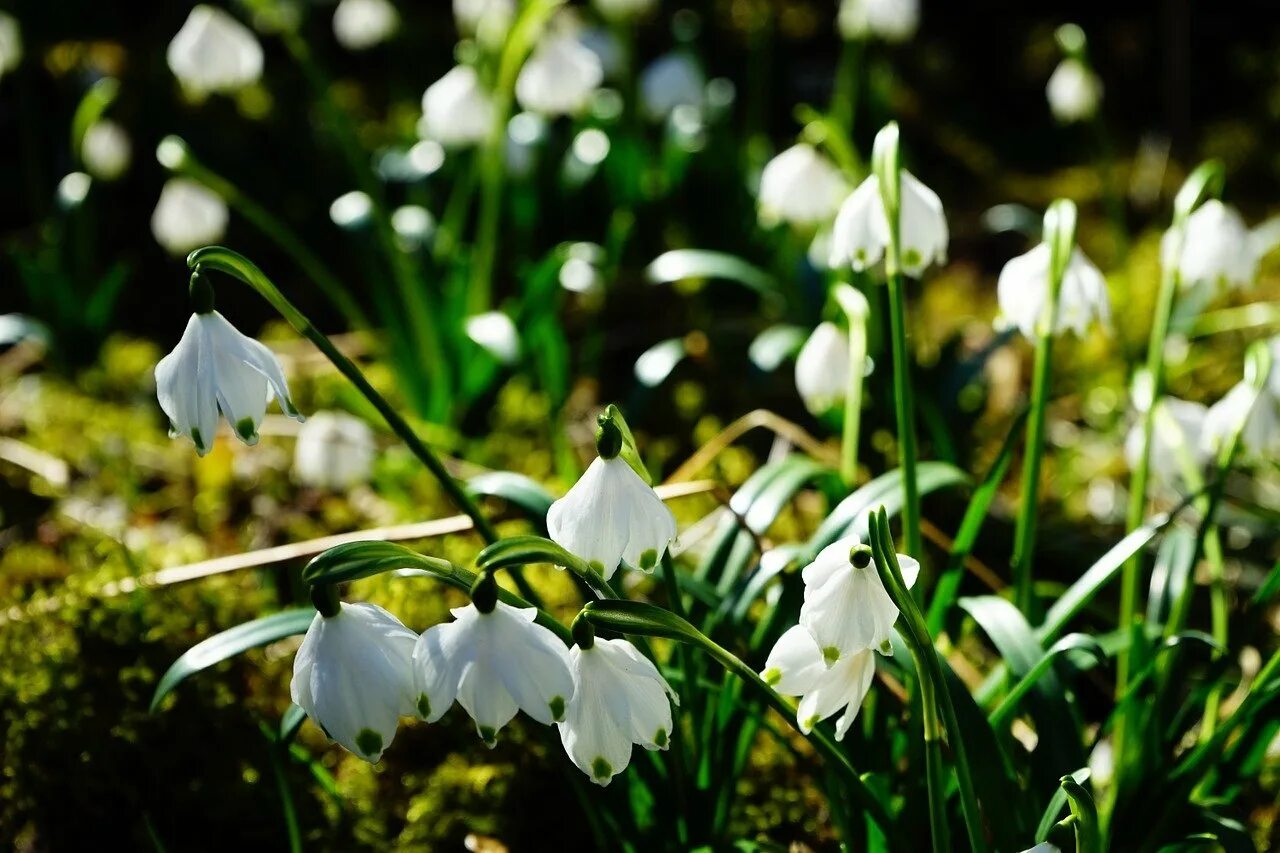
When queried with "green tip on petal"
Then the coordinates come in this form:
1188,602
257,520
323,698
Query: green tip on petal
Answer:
198,439
648,559
369,741
772,676
661,739
601,769
247,431
557,708
489,735
911,257
886,648
807,724
424,706
861,255
830,654
597,567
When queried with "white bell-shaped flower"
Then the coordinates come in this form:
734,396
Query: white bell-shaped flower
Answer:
456,109
213,52
496,334
801,186
493,664
215,368
846,608
796,668
624,10
619,699
334,451
1260,415
1023,293
861,233
1176,434
560,77
105,150
188,216
822,368
10,43
353,675
891,20
1073,91
1217,249
494,17
670,81
362,24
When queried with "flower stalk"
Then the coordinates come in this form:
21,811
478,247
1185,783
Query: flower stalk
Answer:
856,309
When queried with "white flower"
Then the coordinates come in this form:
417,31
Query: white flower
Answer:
891,20
214,368
611,516
334,451
796,668
213,52
619,699
353,675
1043,847
671,81
493,16
623,10
559,77
1217,248
1260,438
105,150
1074,91
822,368
801,186
608,49
456,109
1023,292
494,664
362,24
861,232
1176,433
846,607
188,216
10,43
494,331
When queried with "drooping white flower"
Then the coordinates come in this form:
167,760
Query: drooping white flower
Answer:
334,451
494,664
671,81
362,24
105,150
822,368
353,675
846,608
1217,249
1258,412
892,20
188,216
216,369
619,699
796,668
861,232
624,10
494,17
1176,434
494,331
1023,292
213,52
559,77
1073,91
456,109
10,43
801,186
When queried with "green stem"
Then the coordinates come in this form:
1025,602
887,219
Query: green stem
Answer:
904,405
856,309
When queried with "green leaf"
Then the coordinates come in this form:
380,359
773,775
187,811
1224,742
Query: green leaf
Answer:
291,722
91,108
1170,575
1070,643
682,264
354,560
524,550
1056,804
230,643
1088,834
517,489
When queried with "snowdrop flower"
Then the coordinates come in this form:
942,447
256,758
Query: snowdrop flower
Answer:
1177,433
1260,415
822,368
892,20
213,52
493,16
624,10
801,186
105,150
796,667
215,368
846,607
1073,91
671,81
560,76
353,675
493,662
334,451
861,232
10,43
188,216
611,516
1217,248
362,24
456,109
496,334
619,699
1023,291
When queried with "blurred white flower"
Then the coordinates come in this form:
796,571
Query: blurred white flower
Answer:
1044,847
492,16
1217,248
891,20
73,189
105,150
495,332
671,81
846,607
334,451
362,24
1073,91
414,226
1023,291
560,76
1176,433
188,216
10,43
624,10
822,368
213,52
861,232
796,667
1259,414
494,664
801,186
456,109
608,49
351,209
619,699
215,368
353,675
